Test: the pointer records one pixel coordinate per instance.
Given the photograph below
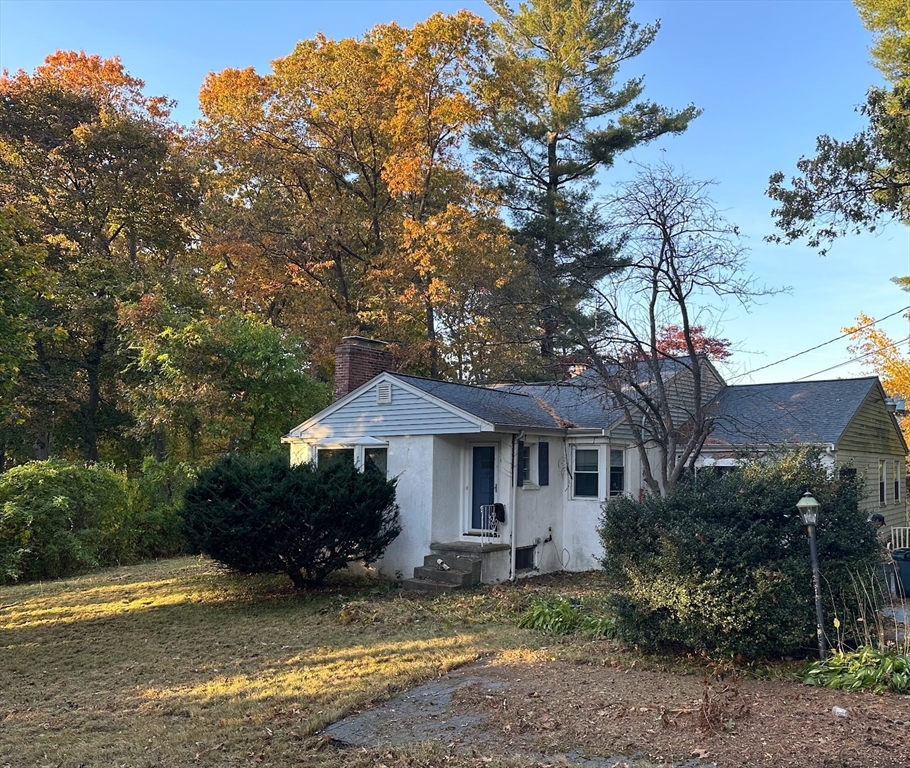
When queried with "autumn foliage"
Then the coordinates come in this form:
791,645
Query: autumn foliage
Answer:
195,281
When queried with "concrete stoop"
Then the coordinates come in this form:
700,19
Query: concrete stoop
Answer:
444,572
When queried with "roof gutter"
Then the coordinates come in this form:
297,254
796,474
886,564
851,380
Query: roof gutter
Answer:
587,432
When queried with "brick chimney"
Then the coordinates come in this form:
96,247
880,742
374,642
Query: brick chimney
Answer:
357,360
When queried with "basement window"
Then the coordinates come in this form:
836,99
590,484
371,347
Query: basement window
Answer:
524,558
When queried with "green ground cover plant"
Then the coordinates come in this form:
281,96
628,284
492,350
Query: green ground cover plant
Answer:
867,667
566,616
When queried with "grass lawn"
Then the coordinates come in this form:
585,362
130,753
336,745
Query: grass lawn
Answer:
178,663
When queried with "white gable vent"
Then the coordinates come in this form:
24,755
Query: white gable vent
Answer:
383,393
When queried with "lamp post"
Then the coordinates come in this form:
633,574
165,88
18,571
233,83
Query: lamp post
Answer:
808,511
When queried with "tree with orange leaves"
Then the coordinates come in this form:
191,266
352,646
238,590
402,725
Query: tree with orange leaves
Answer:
883,356
339,184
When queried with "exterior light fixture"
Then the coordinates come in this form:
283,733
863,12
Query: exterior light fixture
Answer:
808,511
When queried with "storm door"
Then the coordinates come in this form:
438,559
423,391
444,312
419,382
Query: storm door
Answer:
483,481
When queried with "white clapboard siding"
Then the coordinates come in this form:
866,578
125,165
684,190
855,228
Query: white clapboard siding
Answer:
408,413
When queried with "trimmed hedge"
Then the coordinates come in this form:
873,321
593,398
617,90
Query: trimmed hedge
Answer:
722,564
258,515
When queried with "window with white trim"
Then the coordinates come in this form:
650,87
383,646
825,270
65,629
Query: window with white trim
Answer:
586,473
617,472
376,459
881,481
533,468
369,458
524,464
326,457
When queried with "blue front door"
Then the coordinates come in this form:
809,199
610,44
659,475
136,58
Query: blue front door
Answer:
483,481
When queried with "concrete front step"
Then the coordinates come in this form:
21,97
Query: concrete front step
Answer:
445,571
447,562
431,587
451,576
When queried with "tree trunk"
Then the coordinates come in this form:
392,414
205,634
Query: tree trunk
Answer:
296,576
42,446
93,401
160,446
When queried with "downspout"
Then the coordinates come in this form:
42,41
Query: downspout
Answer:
512,502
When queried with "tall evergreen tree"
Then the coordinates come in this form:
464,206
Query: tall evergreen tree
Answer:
556,116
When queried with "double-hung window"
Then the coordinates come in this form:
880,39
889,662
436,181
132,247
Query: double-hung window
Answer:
895,469
533,464
586,482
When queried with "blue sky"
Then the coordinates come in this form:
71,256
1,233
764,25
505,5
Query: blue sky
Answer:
771,75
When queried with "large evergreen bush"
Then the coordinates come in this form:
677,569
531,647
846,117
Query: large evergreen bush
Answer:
259,515
722,563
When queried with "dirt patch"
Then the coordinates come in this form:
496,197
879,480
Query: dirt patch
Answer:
592,714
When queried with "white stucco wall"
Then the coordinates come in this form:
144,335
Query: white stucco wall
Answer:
411,462
540,510
447,499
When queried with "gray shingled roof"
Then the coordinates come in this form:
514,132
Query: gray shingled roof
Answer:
580,402
793,412
493,405
575,403
583,400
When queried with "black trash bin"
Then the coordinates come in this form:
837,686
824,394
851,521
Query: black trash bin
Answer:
901,559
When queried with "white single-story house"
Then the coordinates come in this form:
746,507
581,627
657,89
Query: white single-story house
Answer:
511,480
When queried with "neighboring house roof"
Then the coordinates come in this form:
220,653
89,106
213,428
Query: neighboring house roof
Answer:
792,412
506,408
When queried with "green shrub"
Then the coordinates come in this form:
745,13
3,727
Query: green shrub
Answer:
722,564
866,667
58,518
258,515
159,493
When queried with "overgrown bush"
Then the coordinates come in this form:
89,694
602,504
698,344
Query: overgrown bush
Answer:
258,515
722,564
58,518
158,502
